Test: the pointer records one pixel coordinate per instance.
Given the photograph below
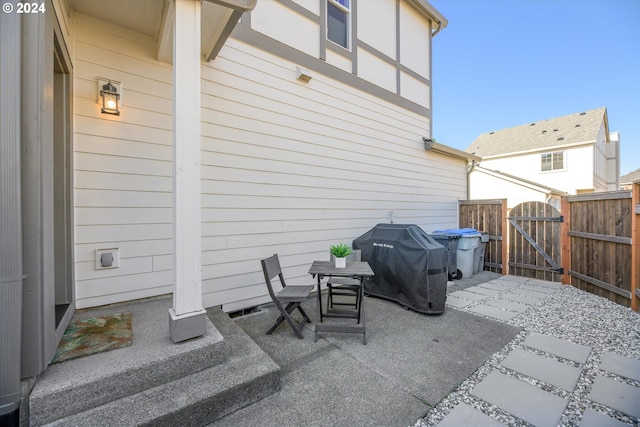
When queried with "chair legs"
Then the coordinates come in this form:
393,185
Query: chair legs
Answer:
286,311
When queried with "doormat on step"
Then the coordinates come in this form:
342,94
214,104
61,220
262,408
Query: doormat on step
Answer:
84,337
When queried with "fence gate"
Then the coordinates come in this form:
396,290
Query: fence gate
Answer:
534,241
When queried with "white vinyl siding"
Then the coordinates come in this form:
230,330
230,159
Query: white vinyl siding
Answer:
377,26
292,168
415,40
122,166
287,167
269,18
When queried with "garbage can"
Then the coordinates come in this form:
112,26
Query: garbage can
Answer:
467,243
450,242
478,253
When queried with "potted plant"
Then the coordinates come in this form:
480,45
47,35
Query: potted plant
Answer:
340,252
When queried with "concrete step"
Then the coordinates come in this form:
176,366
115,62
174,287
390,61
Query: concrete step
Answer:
155,381
195,400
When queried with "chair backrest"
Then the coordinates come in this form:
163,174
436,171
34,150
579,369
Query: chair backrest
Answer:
271,268
354,256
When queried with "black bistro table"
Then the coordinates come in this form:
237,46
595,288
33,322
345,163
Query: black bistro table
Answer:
356,270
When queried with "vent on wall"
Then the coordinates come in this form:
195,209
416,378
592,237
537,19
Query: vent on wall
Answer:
107,258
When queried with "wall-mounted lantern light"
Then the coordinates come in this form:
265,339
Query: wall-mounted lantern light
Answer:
109,97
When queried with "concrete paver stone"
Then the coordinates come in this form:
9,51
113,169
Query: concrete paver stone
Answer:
494,312
465,415
529,293
469,295
507,304
620,365
559,347
593,418
496,285
484,291
538,288
520,298
553,285
522,400
616,395
456,302
542,368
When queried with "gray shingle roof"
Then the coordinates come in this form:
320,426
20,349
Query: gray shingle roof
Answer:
565,130
630,177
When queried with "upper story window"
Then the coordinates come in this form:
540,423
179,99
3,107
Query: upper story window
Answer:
339,22
552,161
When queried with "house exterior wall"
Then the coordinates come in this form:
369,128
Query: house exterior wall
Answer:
484,186
577,174
600,162
123,166
287,167
291,168
612,159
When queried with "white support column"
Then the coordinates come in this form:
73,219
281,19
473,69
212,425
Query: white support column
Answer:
187,317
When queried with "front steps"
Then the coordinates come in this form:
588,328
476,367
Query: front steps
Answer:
156,382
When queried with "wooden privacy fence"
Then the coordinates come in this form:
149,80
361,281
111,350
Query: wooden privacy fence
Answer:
601,246
534,241
488,216
593,243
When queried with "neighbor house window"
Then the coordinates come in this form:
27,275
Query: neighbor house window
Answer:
552,161
338,22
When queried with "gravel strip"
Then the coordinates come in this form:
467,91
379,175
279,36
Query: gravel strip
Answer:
570,314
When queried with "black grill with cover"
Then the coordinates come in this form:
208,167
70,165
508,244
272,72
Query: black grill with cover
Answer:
410,266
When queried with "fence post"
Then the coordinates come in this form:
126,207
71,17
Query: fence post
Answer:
565,240
505,239
635,245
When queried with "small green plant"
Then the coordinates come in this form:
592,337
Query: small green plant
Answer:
340,250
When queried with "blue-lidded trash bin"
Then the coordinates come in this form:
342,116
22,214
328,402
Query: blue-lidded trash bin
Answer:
468,240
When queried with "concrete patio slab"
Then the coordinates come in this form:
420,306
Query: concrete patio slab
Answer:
563,348
312,396
520,399
542,368
617,395
593,418
411,361
620,365
465,415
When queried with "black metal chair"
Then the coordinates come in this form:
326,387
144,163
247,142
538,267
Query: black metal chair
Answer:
345,286
292,296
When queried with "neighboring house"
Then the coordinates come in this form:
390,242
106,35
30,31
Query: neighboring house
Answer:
627,180
298,126
571,154
486,183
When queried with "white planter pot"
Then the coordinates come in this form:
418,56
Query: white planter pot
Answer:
340,262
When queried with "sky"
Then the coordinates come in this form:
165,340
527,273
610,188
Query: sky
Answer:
504,63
